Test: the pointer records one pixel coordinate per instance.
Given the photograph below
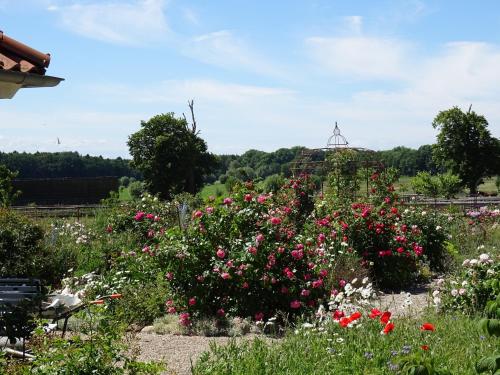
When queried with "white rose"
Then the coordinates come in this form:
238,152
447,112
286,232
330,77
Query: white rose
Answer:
454,292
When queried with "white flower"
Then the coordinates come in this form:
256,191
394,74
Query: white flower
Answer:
490,272
354,281
461,291
473,262
440,282
424,213
454,292
364,281
438,227
435,293
465,283
343,243
437,301
307,325
466,262
484,257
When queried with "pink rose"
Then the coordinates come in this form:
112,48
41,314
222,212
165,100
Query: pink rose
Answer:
209,210
139,216
225,275
227,201
259,316
198,214
275,221
221,253
248,197
192,301
252,250
261,198
295,304
221,313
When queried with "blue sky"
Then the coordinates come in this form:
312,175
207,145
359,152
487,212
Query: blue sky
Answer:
263,74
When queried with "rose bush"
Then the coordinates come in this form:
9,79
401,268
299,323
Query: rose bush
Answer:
246,255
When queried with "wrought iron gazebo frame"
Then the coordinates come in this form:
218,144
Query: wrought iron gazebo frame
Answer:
317,160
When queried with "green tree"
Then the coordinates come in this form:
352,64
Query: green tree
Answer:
465,146
170,154
7,193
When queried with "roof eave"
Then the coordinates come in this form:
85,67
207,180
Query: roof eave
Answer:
11,82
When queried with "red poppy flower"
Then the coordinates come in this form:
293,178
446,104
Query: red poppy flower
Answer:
425,347
389,327
344,322
385,317
355,316
338,314
427,327
375,313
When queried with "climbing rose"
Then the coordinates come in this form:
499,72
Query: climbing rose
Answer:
198,213
295,304
139,216
227,201
192,301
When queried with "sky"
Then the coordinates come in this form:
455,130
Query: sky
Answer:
262,74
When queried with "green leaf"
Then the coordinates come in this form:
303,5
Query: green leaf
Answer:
488,364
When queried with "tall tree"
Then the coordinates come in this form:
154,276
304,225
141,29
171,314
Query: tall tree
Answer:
465,146
170,155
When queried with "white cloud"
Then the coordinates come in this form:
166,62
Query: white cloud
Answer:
224,49
354,24
128,23
360,57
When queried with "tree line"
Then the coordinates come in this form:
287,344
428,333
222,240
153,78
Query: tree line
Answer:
65,164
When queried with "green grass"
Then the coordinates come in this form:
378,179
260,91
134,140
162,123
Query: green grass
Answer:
403,185
488,185
213,190
124,194
456,345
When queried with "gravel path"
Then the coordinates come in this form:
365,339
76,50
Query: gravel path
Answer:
179,351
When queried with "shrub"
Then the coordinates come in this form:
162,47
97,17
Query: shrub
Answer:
22,253
136,189
245,257
469,292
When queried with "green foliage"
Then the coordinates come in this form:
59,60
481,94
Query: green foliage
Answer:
465,146
426,184
273,183
449,184
443,184
491,326
21,247
477,282
65,164
136,189
101,352
170,155
7,193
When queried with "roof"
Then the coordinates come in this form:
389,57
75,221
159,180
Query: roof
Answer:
21,67
16,56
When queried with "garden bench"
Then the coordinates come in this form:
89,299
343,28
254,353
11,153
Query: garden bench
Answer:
20,299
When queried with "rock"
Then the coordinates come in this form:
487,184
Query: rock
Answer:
148,329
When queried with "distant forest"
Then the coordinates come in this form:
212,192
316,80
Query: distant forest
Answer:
250,165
